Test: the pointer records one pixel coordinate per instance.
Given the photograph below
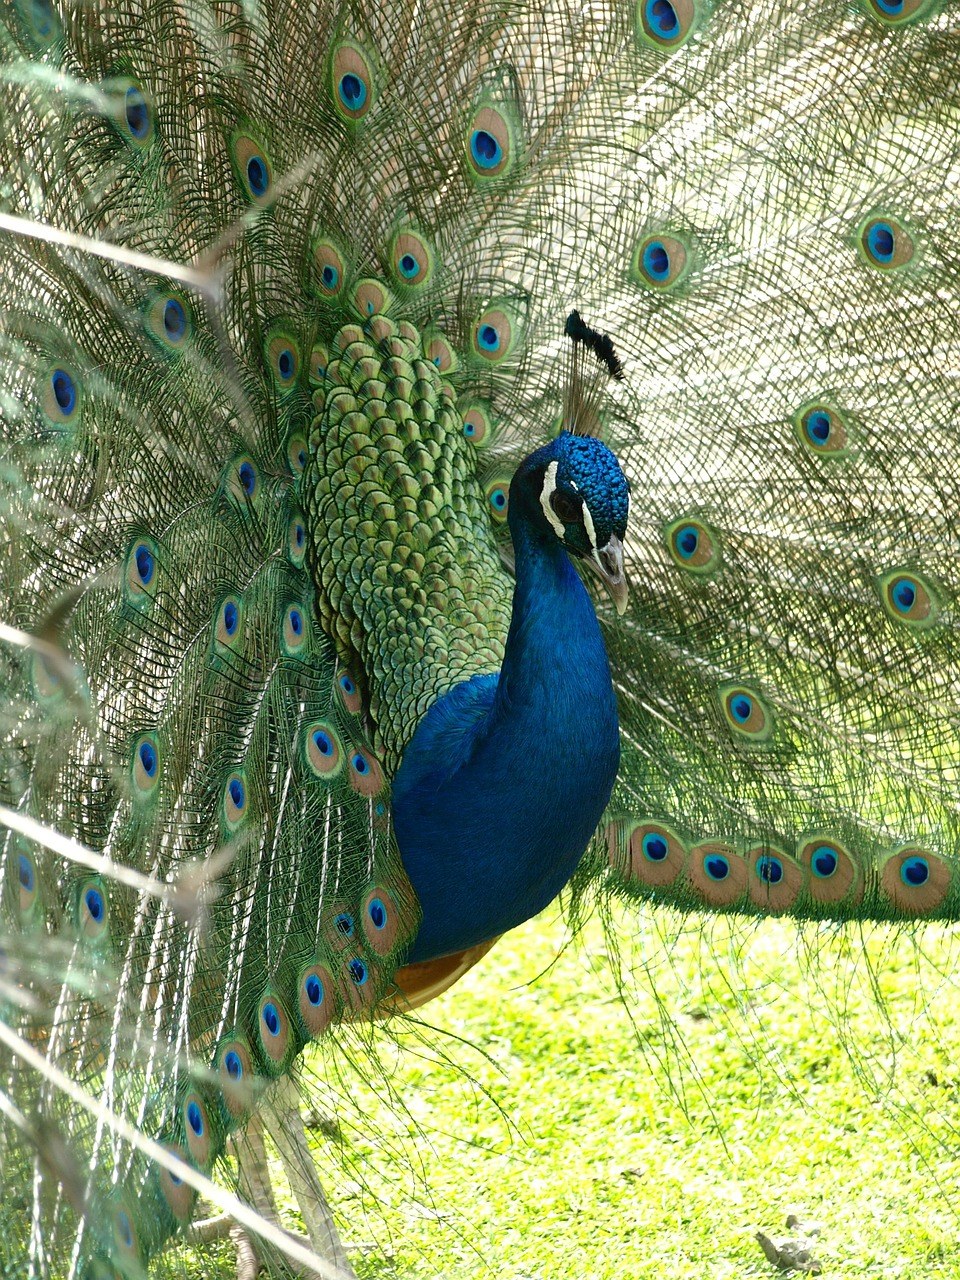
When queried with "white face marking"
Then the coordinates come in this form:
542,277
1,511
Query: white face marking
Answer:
549,487
588,526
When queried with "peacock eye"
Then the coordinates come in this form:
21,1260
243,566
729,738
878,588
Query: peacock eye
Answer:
566,506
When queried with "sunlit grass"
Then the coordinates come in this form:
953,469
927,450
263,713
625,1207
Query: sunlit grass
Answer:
762,1080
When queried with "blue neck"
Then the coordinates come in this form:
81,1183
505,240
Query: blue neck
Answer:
506,778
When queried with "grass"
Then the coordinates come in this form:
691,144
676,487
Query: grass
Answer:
755,1075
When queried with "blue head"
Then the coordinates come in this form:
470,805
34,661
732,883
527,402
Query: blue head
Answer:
574,490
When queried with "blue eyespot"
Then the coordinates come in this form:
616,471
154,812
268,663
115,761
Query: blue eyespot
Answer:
740,708
914,872
145,564
286,364
271,1018
488,337
654,847
258,176
299,535
716,866
237,793
314,989
323,742
769,869
352,91
174,320
824,862
893,8
347,685
344,924
248,478
148,758
662,19
360,763
296,622
377,913
903,593
485,149
330,277
96,907
195,1118
233,1063
231,617
687,540
137,113
408,265
817,425
64,391
124,1228
25,873
880,241
656,259
498,499
358,971
44,22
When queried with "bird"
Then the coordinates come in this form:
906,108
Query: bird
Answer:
447,458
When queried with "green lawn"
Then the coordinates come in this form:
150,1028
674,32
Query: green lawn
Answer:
573,1140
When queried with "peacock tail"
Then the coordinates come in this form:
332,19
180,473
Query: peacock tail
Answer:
283,302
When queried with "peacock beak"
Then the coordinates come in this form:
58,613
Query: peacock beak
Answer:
608,562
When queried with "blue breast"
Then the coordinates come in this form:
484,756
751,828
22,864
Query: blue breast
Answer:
506,777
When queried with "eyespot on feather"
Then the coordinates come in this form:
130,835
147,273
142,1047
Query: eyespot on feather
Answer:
235,804
717,873
324,752
833,874
253,168
370,298
126,1238
666,24
141,573
328,269
382,920
93,911
364,772
746,713
660,262
496,489
24,865
319,359
340,928
495,334
130,109
39,22
355,983
915,881
775,880
145,765
352,80
295,637
439,352
909,599
349,692
492,141
885,243
317,1003
228,629
823,430
898,12
693,546
411,259
282,358
477,423
179,1195
243,481
274,1033
239,1084
168,320
297,541
60,396
197,1129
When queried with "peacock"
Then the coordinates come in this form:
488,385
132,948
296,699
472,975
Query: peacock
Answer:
449,456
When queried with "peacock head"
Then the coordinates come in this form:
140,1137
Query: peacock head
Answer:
582,499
